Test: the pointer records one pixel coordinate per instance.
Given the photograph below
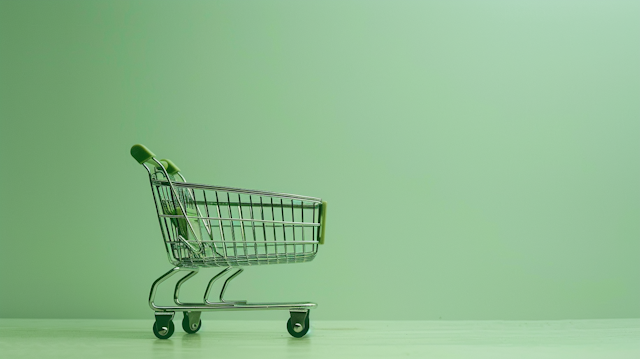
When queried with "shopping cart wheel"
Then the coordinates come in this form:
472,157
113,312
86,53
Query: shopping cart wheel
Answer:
193,327
163,332
298,324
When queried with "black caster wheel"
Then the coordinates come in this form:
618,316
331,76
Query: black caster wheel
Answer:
190,329
298,330
163,333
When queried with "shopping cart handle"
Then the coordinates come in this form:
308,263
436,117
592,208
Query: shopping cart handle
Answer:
171,167
141,153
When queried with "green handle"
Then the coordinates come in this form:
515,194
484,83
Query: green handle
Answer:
171,167
323,220
141,153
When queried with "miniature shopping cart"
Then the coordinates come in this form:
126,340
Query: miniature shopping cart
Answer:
212,226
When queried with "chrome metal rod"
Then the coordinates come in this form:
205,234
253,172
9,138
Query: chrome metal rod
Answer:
253,226
226,283
245,204
293,219
215,278
264,228
284,230
238,306
154,286
215,248
224,246
233,233
242,231
176,292
238,190
308,224
278,242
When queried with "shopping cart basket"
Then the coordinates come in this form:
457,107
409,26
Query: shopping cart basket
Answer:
213,226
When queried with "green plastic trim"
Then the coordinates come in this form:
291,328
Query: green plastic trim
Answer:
171,168
141,153
323,220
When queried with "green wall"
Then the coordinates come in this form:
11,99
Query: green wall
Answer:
481,159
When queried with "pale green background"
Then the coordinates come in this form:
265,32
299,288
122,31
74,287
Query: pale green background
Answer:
481,158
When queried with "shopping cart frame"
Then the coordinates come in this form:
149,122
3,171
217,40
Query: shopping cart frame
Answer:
163,328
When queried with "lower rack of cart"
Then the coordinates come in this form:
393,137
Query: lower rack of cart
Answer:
163,327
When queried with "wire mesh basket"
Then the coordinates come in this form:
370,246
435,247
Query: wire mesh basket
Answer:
223,226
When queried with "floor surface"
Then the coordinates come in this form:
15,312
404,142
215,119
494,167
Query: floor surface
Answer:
123,339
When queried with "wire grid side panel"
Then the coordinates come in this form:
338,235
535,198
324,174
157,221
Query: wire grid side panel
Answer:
246,229
238,229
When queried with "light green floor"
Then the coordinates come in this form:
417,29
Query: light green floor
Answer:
124,339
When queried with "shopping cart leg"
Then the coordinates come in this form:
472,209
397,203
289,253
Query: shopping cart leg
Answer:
154,287
226,283
215,278
176,292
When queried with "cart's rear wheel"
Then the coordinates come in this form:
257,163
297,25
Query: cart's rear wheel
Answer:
298,330
190,329
164,332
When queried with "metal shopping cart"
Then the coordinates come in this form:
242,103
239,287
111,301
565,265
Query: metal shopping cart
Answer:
211,226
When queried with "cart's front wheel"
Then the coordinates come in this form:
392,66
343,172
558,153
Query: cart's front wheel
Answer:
298,329
163,332
190,328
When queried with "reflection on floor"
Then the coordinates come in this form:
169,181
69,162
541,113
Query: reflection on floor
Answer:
122,339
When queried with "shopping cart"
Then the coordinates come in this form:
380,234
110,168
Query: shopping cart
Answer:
211,226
